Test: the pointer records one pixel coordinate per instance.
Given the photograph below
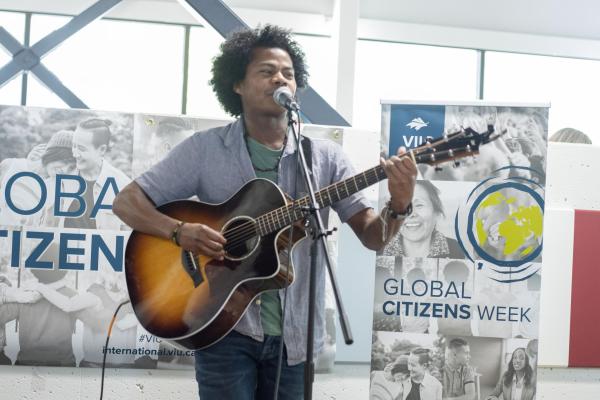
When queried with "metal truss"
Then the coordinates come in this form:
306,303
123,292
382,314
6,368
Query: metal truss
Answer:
29,58
215,12
225,21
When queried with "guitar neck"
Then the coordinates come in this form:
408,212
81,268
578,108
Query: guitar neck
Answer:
464,143
283,216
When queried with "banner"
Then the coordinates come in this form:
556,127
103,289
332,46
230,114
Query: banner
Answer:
61,247
457,289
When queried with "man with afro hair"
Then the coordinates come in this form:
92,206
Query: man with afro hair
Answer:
213,165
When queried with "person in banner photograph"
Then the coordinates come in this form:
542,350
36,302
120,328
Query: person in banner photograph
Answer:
421,385
410,323
518,382
385,269
170,131
94,308
10,294
57,159
523,144
418,236
458,375
458,273
492,294
45,331
44,160
214,164
389,383
155,136
530,298
91,142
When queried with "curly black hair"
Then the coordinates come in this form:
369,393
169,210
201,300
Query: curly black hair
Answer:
229,67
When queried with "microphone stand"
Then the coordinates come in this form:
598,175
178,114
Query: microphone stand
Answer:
319,234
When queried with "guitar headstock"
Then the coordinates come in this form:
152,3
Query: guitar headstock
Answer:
454,146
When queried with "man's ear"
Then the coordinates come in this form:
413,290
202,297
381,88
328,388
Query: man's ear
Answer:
237,87
102,149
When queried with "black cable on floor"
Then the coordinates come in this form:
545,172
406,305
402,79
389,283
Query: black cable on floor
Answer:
112,322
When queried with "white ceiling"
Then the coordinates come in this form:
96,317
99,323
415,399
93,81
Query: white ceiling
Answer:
571,19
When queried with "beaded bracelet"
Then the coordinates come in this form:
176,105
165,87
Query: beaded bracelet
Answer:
175,233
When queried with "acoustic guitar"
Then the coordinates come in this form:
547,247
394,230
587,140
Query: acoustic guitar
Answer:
193,301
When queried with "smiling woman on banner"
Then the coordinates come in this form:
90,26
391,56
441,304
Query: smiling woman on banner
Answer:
518,382
418,236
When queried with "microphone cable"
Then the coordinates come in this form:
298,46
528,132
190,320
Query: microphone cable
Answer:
112,322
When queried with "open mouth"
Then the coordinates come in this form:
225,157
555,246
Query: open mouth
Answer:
413,225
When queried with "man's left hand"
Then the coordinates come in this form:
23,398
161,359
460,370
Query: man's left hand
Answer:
402,175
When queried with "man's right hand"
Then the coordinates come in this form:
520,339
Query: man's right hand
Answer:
202,239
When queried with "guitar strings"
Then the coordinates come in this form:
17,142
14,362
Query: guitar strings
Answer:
274,215
240,234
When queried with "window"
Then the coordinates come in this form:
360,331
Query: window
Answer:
14,23
320,54
115,65
393,71
201,100
572,86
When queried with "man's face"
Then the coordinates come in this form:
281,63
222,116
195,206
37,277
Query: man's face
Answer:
54,168
417,371
400,377
160,144
87,156
269,69
462,355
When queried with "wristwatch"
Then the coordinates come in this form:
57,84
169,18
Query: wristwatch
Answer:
398,215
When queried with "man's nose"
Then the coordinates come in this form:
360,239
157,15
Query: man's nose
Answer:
280,79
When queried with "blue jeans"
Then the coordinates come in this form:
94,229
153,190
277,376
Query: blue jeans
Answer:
241,368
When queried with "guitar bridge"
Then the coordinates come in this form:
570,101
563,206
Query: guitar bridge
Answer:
191,267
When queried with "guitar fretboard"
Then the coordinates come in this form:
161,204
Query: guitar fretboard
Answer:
283,216
451,147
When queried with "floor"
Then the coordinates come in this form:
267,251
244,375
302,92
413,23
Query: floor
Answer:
351,382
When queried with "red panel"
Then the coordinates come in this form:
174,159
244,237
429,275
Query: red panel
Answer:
584,350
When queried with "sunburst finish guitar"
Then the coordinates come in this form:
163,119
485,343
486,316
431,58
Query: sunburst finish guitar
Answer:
194,301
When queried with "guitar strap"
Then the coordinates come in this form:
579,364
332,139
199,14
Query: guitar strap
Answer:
307,148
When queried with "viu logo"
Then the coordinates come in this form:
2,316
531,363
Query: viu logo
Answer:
417,123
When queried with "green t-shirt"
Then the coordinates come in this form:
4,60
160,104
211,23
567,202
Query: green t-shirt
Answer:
265,158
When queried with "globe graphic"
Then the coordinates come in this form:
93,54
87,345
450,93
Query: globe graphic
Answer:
508,224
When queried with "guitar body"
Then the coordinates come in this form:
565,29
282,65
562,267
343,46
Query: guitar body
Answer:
194,302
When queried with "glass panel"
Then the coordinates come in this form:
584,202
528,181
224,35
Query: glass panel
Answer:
14,23
201,101
117,65
570,85
320,51
39,95
394,71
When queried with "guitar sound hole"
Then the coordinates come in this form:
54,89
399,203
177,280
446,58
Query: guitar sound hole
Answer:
241,237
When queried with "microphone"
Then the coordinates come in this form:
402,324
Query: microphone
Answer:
284,97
